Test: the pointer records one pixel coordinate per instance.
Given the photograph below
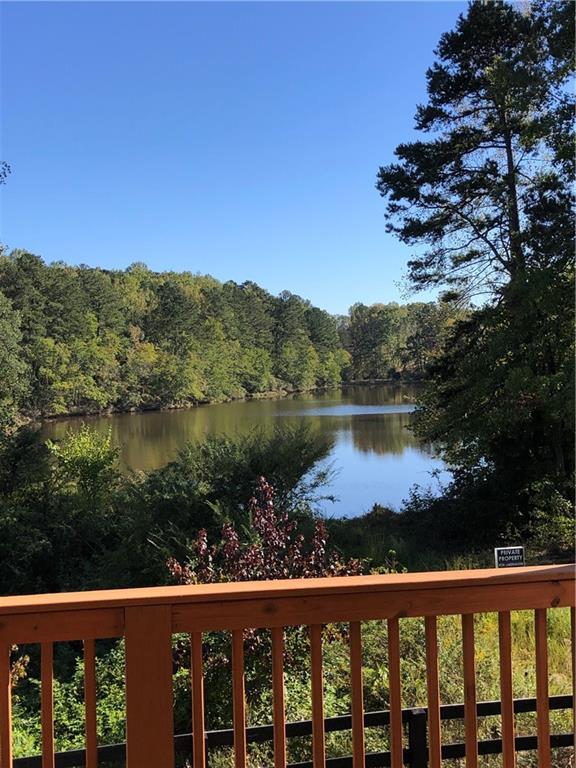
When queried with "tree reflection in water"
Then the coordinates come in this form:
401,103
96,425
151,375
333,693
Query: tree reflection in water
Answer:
368,425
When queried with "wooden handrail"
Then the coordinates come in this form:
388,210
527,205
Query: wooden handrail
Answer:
211,607
248,590
147,618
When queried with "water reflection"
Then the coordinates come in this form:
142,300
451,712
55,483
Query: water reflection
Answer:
376,456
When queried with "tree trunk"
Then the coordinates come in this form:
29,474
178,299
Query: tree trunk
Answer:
516,255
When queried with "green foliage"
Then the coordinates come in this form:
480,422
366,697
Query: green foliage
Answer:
501,405
298,362
551,518
70,520
86,462
488,193
496,133
57,512
391,340
13,382
83,340
209,482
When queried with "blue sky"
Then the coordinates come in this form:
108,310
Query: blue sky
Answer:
236,139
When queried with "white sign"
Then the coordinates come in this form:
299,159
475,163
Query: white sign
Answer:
508,557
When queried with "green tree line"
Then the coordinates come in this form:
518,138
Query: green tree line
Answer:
392,341
84,340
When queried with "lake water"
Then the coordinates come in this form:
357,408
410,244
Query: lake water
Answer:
375,456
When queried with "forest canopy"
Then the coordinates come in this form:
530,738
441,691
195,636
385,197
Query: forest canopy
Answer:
86,340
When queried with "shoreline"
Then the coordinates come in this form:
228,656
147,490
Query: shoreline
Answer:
279,394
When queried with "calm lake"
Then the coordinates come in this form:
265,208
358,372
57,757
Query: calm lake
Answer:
375,456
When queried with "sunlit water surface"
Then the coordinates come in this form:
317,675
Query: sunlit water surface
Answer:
375,456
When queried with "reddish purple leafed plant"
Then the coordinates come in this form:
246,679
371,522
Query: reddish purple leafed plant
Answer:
277,551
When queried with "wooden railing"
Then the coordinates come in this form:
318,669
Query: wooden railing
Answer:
147,619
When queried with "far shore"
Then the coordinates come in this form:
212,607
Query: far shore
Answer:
266,395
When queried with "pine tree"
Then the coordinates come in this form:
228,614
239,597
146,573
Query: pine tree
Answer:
498,123
488,193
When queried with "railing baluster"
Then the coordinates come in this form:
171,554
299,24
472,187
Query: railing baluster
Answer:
47,704
470,717
318,746
433,687
395,693
357,694
239,698
542,714
199,751
5,708
90,703
506,693
278,697
573,646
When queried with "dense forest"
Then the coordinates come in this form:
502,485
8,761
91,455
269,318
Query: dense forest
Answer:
85,340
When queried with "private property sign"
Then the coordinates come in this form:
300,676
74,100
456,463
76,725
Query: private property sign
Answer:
508,557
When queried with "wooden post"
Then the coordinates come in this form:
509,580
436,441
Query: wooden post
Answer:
198,733
239,699
90,704
542,713
506,690
394,682
417,738
278,704
149,710
318,741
